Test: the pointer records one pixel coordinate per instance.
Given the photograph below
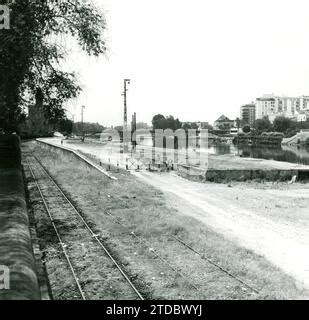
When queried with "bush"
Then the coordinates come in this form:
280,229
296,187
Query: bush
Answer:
277,134
246,129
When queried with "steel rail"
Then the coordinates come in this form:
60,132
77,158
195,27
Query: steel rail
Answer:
95,236
215,264
57,233
154,251
116,220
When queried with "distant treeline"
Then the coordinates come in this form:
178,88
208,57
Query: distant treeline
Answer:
159,121
87,127
266,138
287,126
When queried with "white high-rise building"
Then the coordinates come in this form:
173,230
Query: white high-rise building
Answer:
274,106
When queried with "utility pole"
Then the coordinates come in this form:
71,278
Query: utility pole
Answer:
83,132
238,127
125,116
133,129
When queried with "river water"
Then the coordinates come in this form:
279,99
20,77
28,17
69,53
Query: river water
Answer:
294,154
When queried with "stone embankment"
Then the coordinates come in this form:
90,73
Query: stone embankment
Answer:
18,278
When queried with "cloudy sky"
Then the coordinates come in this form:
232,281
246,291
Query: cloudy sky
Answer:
194,59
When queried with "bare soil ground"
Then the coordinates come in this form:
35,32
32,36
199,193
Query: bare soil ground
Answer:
271,219
209,217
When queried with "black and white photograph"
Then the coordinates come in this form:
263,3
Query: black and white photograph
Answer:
154,151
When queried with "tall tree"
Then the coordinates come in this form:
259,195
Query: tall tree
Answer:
262,125
172,123
282,124
158,122
190,125
161,122
31,53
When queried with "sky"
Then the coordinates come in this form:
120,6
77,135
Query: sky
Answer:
193,59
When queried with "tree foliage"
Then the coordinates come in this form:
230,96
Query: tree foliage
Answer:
65,126
190,125
161,122
262,125
31,53
287,126
246,129
88,128
282,124
158,122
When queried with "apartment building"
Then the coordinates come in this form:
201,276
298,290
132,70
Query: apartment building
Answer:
274,106
247,114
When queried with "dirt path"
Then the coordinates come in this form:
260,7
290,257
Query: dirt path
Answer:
283,243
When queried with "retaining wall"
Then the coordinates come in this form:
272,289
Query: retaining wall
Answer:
16,251
212,175
73,154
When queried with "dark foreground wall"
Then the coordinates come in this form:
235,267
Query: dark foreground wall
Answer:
16,254
10,155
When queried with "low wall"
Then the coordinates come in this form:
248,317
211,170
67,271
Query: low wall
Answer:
212,175
16,253
73,154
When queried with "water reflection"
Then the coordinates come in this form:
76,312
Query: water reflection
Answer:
294,154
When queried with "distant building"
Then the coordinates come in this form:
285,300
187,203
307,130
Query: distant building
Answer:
247,114
265,106
224,124
203,125
37,122
272,106
235,131
199,124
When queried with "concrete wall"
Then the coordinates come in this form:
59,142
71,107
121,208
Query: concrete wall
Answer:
197,174
16,251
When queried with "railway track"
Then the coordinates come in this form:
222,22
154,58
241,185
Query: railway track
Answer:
201,255
216,265
39,173
84,251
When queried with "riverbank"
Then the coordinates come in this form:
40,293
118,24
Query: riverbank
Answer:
225,168
204,166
